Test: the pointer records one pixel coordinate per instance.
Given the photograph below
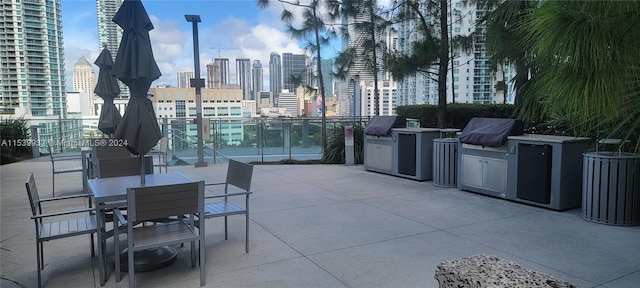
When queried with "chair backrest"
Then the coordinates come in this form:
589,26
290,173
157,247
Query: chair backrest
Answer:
163,145
116,167
32,191
105,151
239,174
50,148
156,202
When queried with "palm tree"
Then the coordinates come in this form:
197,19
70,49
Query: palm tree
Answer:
431,50
366,49
504,27
581,60
589,53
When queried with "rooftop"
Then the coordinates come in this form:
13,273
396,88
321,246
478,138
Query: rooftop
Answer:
333,226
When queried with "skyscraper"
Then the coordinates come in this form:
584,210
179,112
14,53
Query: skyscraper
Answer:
256,79
275,73
471,79
293,65
184,79
243,77
109,33
84,80
32,57
218,73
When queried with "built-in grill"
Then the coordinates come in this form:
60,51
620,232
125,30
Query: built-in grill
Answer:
391,148
490,132
382,125
496,158
378,144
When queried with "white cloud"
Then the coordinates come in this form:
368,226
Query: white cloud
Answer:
172,41
168,43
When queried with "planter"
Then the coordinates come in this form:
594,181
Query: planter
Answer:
611,188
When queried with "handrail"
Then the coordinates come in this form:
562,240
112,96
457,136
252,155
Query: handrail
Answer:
247,139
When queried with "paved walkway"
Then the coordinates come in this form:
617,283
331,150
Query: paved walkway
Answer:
334,226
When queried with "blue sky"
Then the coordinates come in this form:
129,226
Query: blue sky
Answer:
238,26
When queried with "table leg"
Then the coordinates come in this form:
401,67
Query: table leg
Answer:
101,243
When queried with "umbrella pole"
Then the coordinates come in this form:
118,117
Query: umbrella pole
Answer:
142,172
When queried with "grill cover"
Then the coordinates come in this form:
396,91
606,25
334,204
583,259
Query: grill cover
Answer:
382,125
491,132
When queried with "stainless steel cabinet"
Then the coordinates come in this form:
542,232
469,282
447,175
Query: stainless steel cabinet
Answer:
485,173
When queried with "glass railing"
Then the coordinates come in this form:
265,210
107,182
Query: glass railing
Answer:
244,139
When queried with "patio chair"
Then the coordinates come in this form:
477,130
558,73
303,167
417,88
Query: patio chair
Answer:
125,166
57,228
239,175
61,157
154,202
117,167
162,153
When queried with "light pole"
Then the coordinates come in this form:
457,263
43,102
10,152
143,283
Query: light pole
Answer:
197,83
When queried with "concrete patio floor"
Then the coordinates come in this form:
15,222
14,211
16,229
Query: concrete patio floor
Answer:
333,226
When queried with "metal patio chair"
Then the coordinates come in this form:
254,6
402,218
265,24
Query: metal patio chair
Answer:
57,225
184,201
239,176
57,158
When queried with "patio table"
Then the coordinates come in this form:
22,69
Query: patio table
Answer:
111,192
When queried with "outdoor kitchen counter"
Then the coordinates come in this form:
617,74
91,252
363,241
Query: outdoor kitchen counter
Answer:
548,138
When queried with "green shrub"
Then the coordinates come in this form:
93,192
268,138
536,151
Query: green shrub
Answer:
11,130
459,114
334,153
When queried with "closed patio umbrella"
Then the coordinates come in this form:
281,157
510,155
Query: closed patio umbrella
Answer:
107,88
136,67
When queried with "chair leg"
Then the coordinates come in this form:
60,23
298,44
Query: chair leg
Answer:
116,251
41,258
193,254
93,249
246,232
131,267
202,263
226,233
38,247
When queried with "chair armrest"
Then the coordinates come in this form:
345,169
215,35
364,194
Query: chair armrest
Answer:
66,157
226,195
65,197
212,184
120,217
39,216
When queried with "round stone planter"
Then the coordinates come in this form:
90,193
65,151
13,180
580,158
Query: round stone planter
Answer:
611,188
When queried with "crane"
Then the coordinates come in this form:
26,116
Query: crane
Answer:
218,78
222,48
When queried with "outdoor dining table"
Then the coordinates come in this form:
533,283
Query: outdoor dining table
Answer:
108,193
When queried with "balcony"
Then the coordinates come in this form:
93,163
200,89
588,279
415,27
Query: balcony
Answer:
251,139
335,226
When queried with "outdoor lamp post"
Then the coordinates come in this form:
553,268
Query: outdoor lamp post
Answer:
197,83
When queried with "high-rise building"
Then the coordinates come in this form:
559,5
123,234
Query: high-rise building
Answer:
184,79
293,65
84,80
469,74
109,33
275,73
256,79
243,77
32,57
357,95
218,73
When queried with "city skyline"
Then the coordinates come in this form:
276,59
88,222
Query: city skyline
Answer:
229,29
